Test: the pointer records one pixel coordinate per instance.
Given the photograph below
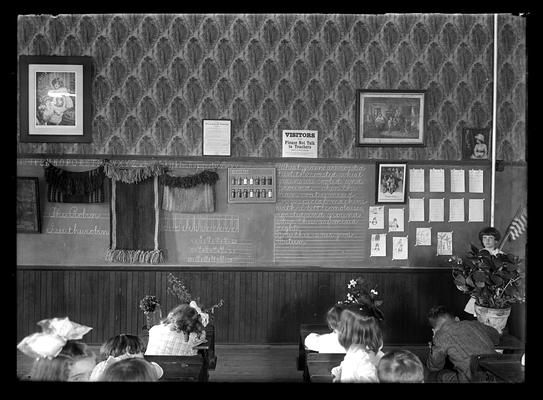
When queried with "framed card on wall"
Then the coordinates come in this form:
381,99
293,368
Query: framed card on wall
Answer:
391,182
216,137
476,143
28,205
55,99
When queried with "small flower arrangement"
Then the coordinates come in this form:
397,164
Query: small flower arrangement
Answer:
360,291
177,288
494,281
149,303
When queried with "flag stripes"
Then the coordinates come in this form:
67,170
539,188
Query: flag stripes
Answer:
519,224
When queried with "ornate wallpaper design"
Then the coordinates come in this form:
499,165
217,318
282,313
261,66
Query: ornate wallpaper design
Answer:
157,75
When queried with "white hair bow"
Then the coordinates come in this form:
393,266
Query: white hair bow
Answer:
203,315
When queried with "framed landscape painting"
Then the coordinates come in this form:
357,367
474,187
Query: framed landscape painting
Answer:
390,117
55,99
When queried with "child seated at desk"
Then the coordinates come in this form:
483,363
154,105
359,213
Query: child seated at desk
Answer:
400,366
130,370
178,334
360,333
327,342
119,348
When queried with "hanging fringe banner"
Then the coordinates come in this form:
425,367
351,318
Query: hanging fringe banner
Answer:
74,187
189,194
206,177
135,214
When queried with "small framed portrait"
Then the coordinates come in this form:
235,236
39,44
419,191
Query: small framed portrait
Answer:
55,99
390,117
391,182
28,205
476,144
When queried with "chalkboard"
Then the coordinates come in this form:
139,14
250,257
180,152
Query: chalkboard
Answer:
320,218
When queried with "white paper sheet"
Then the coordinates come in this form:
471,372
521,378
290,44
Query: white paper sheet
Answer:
456,210
395,220
377,217
378,245
476,182
424,237
437,180
458,181
476,210
444,243
399,248
416,180
416,209
436,211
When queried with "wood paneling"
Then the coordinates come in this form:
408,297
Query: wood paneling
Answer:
261,306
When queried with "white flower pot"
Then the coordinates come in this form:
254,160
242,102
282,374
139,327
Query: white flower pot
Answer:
494,317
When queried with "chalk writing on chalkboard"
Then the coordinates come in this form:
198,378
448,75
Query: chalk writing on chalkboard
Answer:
76,221
184,223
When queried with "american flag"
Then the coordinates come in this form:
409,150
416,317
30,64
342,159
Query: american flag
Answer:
519,224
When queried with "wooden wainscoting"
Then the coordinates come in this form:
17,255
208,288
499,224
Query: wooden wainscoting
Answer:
262,306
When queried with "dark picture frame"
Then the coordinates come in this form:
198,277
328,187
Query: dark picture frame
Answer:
390,117
214,141
390,183
476,144
55,99
28,205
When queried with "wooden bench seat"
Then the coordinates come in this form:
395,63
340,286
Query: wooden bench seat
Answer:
181,368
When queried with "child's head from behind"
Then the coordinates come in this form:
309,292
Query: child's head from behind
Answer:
73,363
130,370
359,327
333,316
122,344
184,318
439,315
400,366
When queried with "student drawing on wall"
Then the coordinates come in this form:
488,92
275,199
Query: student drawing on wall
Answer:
376,247
480,150
374,221
394,224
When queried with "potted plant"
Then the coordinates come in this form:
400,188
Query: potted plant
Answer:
494,281
151,308
360,291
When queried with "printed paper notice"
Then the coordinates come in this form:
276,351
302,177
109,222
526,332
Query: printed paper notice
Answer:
476,180
378,245
300,143
216,136
416,209
458,181
437,210
424,237
456,210
416,180
395,219
444,243
476,210
399,248
437,180
377,217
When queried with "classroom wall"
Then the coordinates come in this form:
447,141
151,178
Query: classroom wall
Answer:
156,76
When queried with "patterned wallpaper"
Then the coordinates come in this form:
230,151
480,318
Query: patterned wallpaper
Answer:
157,75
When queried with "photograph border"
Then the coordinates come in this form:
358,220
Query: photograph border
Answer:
36,204
487,131
85,99
230,138
378,167
362,142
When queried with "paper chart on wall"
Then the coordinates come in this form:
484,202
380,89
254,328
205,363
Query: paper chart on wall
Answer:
437,180
476,210
378,245
377,217
444,243
458,181
416,180
399,248
456,210
476,180
416,209
395,220
423,237
436,211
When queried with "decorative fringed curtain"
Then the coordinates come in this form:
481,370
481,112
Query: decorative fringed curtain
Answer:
134,214
74,187
189,194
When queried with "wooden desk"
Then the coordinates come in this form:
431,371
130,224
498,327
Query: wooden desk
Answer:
510,344
503,367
